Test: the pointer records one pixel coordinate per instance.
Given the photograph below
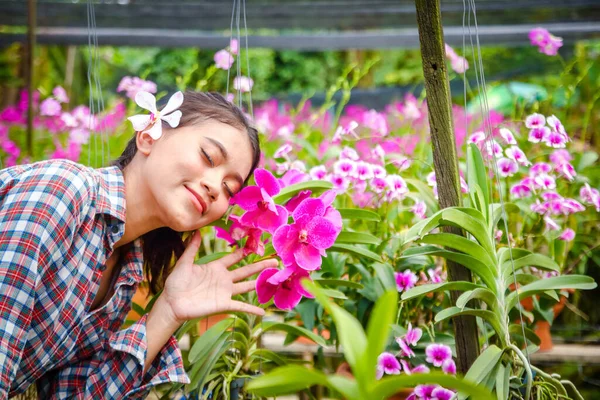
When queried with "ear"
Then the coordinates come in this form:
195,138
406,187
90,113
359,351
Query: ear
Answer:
144,142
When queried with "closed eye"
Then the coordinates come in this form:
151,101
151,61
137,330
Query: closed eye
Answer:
229,192
208,157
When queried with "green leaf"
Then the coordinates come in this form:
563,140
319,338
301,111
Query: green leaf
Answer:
203,343
201,369
502,382
378,330
425,192
484,364
211,257
554,283
290,191
461,244
480,293
351,334
484,271
476,173
336,294
357,237
385,273
390,385
269,356
473,223
438,287
487,315
138,309
359,214
339,282
355,250
534,259
495,213
295,330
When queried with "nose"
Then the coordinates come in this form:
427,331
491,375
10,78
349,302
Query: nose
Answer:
211,190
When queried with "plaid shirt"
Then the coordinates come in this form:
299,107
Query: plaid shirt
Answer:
58,223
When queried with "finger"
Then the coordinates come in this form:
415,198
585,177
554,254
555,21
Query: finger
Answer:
244,287
232,258
249,270
246,308
191,248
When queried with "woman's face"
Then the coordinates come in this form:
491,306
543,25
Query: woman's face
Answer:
192,172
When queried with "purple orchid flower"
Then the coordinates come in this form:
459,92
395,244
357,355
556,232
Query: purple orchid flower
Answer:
257,201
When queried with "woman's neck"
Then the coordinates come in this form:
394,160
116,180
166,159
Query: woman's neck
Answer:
140,210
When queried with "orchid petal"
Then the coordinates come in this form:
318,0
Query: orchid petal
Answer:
285,243
249,198
146,100
269,200
286,299
297,285
264,290
172,119
321,233
309,207
267,181
139,122
281,276
173,104
156,131
308,258
270,221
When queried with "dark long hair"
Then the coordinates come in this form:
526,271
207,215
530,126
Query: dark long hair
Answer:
163,246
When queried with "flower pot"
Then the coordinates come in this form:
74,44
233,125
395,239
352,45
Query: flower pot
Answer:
542,328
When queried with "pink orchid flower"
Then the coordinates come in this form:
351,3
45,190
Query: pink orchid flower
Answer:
283,286
387,364
257,201
437,354
304,242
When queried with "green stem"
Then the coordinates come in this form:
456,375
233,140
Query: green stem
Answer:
527,367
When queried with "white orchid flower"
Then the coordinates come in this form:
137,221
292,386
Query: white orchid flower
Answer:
169,113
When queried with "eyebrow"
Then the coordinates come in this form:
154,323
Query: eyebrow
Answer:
225,155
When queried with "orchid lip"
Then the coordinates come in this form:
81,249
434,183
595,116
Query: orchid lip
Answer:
199,201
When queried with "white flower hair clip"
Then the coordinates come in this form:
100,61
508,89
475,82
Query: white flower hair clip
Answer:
151,123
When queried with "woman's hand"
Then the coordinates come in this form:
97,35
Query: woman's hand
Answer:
194,291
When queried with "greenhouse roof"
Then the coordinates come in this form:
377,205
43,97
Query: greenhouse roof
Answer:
289,24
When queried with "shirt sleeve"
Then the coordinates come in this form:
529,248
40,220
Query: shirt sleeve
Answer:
40,207
116,371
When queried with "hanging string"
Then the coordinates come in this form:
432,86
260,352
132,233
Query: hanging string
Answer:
230,39
488,148
250,106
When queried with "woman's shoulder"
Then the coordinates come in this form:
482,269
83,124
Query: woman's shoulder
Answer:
48,181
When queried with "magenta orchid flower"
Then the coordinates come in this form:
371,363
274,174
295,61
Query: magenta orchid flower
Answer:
257,201
440,393
238,231
387,364
283,286
567,235
304,242
507,136
437,354
507,167
405,280
419,369
449,366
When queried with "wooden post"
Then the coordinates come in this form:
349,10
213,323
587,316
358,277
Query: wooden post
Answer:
31,25
439,105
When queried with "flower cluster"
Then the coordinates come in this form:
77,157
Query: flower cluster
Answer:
300,244
132,85
69,128
438,355
546,42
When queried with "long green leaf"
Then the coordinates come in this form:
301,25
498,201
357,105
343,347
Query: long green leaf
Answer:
390,385
355,250
378,330
502,382
487,315
351,334
461,244
535,260
473,222
339,282
476,174
484,364
480,293
554,283
438,287
486,273
208,338
292,190
359,214
517,329
357,237
295,330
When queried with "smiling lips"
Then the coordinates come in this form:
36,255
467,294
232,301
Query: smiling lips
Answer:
197,200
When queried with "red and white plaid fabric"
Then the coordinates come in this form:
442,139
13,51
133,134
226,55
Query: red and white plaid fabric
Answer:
58,223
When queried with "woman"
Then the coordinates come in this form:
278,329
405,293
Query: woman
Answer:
74,242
